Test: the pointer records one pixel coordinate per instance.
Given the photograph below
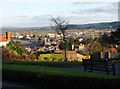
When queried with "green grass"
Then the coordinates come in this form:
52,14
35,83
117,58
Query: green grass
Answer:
51,56
43,63
53,70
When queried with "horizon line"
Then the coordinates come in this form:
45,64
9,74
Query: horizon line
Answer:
68,24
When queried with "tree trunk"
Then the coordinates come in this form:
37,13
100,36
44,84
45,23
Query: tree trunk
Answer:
65,47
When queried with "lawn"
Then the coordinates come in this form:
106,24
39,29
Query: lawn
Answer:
52,70
46,77
43,63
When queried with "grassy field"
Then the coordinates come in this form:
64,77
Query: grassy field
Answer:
51,75
50,56
52,70
49,68
43,63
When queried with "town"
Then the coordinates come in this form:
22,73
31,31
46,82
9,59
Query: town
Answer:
48,45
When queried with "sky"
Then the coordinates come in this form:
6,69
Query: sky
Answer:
36,13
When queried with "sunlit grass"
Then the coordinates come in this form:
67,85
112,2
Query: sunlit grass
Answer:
43,63
53,70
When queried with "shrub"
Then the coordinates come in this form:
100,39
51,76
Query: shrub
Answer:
45,58
50,81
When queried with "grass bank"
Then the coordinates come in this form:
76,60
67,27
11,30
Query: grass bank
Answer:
52,70
43,63
44,77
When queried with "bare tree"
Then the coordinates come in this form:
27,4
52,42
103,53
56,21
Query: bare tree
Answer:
60,25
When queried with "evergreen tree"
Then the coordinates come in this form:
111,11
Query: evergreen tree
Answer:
61,45
76,41
105,40
115,37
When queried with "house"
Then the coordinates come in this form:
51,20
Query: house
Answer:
60,54
73,55
5,40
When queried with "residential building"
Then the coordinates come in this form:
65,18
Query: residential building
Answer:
5,40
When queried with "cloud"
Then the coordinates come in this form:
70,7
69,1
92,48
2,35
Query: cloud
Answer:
103,10
115,4
35,14
83,3
40,18
97,7
22,16
76,3
94,18
119,11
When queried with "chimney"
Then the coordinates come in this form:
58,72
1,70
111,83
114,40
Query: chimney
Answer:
8,35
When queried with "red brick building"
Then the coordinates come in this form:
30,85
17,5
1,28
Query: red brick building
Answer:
5,40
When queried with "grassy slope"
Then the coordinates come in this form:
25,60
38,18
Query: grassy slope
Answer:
43,63
53,70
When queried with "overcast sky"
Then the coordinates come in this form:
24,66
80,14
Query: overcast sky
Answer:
37,13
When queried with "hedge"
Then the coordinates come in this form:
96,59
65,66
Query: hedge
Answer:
51,81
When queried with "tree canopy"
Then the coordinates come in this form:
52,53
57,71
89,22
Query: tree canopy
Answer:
59,25
115,36
112,38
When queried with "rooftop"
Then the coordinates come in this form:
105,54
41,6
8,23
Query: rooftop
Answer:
3,39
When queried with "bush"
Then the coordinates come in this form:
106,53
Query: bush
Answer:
54,59
50,81
45,58
118,48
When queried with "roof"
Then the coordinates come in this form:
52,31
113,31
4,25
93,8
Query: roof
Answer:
3,39
71,52
59,51
113,50
62,51
8,31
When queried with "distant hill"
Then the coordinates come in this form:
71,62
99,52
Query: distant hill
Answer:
98,26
